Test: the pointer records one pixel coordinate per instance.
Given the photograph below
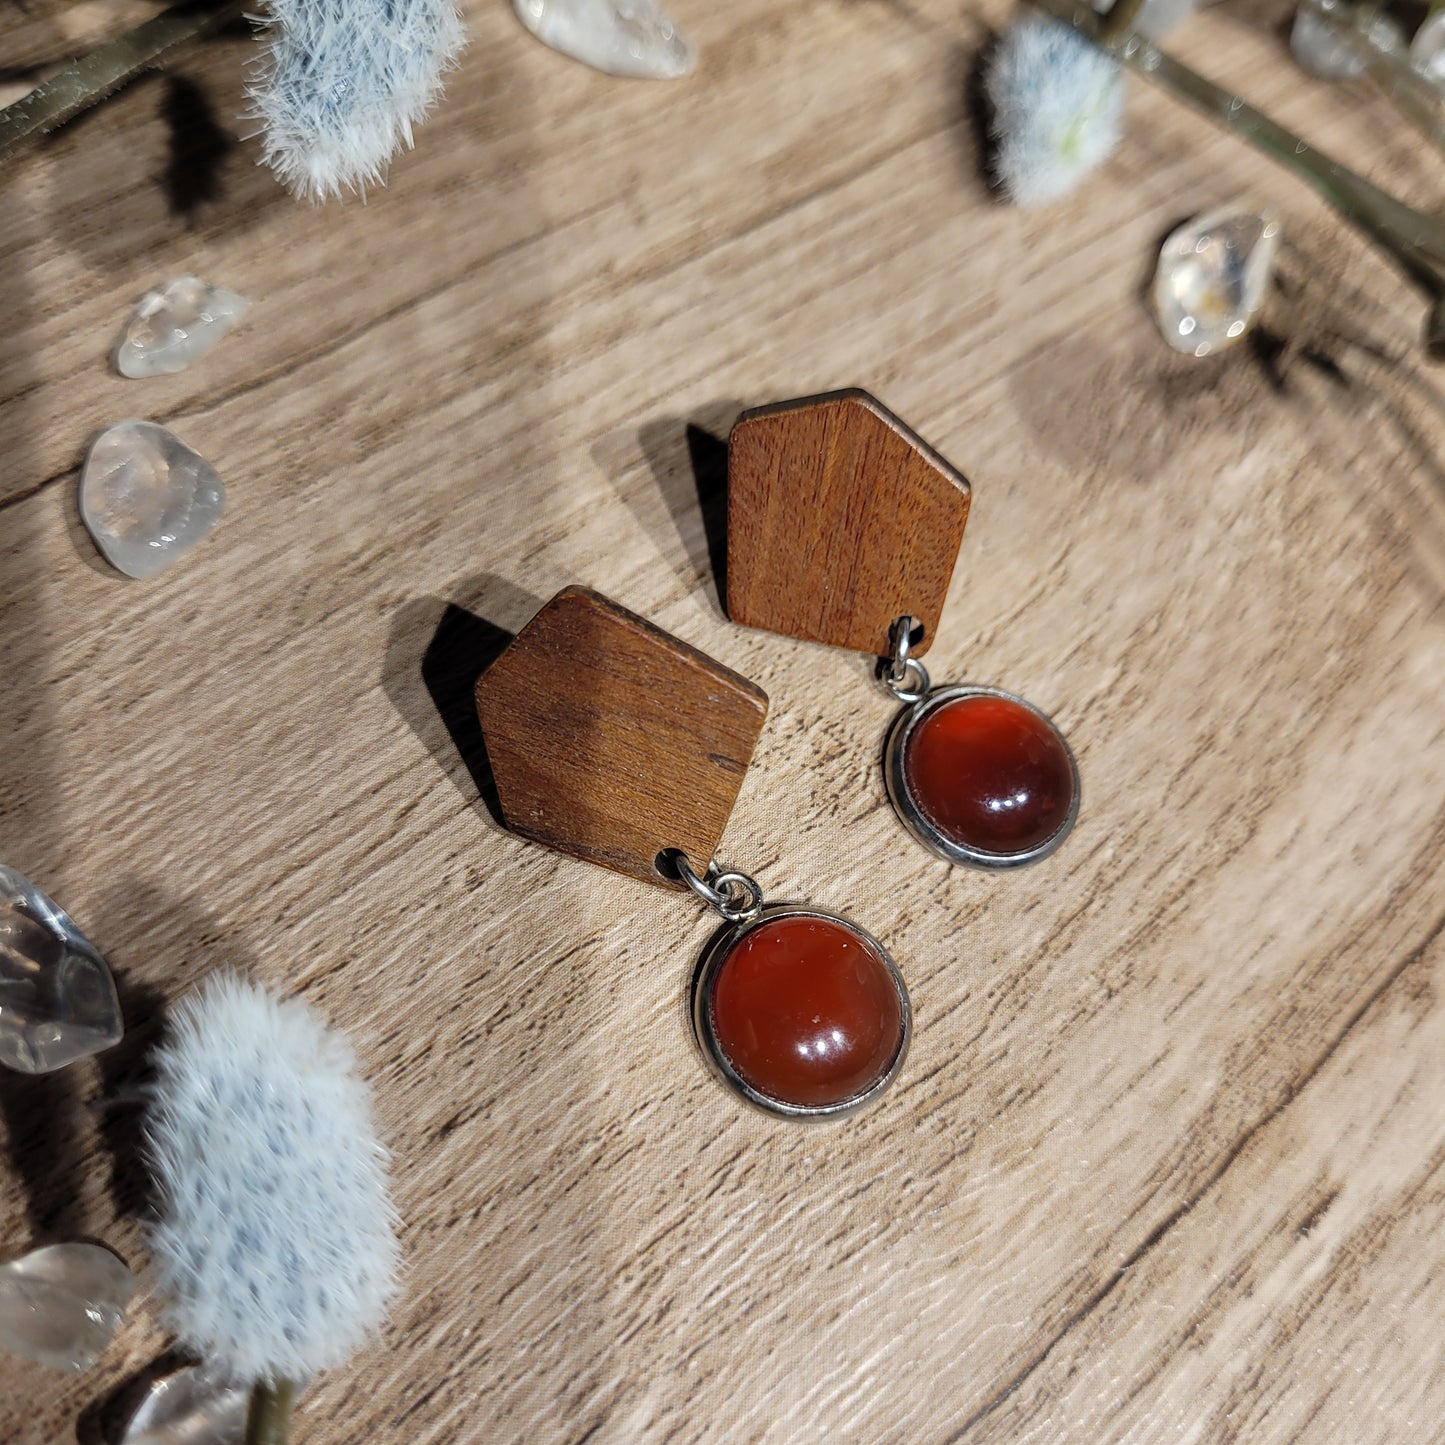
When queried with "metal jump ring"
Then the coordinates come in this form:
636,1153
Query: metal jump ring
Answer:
734,895
902,667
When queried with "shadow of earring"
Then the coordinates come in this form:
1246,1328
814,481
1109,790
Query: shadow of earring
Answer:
462,648
708,457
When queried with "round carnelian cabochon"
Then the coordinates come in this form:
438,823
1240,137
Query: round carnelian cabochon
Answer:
990,773
806,1011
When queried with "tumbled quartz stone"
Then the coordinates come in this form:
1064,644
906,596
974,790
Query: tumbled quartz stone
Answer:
1427,50
191,1407
1156,18
57,998
62,1305
1319,46
1213,276
631,38
146,497
175,326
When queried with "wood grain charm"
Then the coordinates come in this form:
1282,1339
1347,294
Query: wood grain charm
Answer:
840,519
612,740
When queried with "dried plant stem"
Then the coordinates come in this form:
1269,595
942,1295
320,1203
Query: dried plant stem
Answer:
104,70
268,1421
1416,241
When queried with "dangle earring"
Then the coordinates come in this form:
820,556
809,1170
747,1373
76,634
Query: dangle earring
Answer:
843,528
616,743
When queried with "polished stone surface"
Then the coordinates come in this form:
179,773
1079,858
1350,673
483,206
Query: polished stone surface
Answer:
190,1407
61,1305
57,999
1318,48
175,326
990,774
806,1011
1427,50
146,497
1213,276
630,38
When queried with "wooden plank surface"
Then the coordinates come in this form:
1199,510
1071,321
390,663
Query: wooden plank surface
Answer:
1165,1162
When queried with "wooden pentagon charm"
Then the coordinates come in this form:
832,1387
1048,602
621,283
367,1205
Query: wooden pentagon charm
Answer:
841,519
611,740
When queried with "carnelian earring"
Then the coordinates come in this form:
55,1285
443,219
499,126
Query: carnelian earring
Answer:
843,528
616,743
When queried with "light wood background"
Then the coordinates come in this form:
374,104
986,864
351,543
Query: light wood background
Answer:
1168,1158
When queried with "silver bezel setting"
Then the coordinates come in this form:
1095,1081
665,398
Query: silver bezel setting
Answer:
912,817
718,947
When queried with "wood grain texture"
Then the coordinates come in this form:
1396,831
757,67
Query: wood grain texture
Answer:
614,742
841,520
1164,1161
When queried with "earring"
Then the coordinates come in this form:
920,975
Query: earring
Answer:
616,743
843,528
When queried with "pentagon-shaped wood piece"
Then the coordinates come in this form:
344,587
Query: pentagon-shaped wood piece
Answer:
612,740
841,519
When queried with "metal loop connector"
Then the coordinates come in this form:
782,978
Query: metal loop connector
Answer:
904,676
734,895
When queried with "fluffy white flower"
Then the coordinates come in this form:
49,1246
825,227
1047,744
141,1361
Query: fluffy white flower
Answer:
341,83
1056,100
275,1248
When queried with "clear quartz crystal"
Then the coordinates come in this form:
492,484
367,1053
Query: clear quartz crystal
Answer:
1157,17
191,1407
57,998
1319,48
1427,50
622,37
1214,273
62,1305
175,326
146,497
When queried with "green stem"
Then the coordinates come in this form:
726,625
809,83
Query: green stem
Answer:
104,70
268,1421
1417,242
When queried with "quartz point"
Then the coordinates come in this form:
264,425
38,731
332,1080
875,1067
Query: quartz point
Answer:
61,1305
191,1407
175,326
146,497
57,999
1213,276
631,38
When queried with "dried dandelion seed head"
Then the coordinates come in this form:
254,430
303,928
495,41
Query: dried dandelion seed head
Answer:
1056,101
341,83
275,1248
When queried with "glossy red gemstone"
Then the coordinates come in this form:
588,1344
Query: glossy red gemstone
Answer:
806,1011
990,774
